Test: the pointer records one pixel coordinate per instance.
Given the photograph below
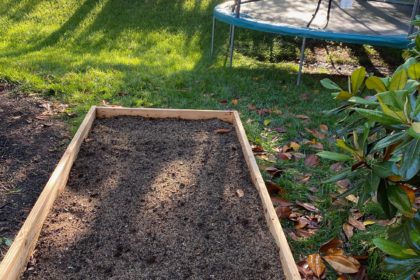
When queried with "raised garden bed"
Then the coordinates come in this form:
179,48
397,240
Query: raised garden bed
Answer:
155,193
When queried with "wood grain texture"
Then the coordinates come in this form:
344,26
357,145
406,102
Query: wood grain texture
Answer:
185,114
16,258
288,263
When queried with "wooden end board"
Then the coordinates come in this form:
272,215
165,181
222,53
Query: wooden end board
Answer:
18,254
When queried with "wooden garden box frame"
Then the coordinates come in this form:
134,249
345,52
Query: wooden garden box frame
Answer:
16,258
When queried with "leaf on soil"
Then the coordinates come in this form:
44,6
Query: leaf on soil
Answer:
223,130
307,206
369,222
240,193
332,247
343,264
273,171
345,183
298,155
223,101
357,224
348,230
316,264
263,112
312,160
235,101
267,122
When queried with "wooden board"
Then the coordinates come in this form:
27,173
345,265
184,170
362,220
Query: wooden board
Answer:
18,254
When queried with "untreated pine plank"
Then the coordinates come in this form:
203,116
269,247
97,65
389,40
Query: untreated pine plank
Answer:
108,112
288,263
17,256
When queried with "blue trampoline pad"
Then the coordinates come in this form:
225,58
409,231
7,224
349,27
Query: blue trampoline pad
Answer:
367,22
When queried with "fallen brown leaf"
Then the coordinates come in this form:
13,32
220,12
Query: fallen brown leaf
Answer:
336,167
343,264
235,101
283,212
280,201
273,171
223,130
305,233
357,224
307,206
285,156
348,230
312,160
257,149
252,107
301,222
304,270
295,146
316,264
223,101
280,129
323,127
273,188
332,247
302,117
316,133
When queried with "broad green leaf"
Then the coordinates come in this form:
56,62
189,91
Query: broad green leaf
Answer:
369,188
410,162
404,268
383,169
375,83
327,83
363,101
389,140
392,113
334,156
357,78
343,145
398,80
394,249
414,71
377,116
382,197
343,95
399,198
344,174
414,130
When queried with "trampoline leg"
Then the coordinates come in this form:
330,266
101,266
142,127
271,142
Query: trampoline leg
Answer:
232,38
302,59
212,36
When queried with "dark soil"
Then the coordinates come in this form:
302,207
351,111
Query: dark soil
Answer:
157,199
31,143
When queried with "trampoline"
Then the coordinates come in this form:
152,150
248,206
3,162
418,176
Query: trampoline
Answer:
374,23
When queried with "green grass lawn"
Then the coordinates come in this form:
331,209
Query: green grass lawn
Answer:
155,53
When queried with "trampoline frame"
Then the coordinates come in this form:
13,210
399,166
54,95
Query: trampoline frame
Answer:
392,41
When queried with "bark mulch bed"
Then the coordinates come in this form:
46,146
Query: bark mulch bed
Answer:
31,143
157,199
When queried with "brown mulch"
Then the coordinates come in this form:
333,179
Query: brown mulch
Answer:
157,199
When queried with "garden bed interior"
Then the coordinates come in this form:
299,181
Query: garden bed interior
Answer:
154,194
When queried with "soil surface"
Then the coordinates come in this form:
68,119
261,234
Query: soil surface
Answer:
32,140
157,199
